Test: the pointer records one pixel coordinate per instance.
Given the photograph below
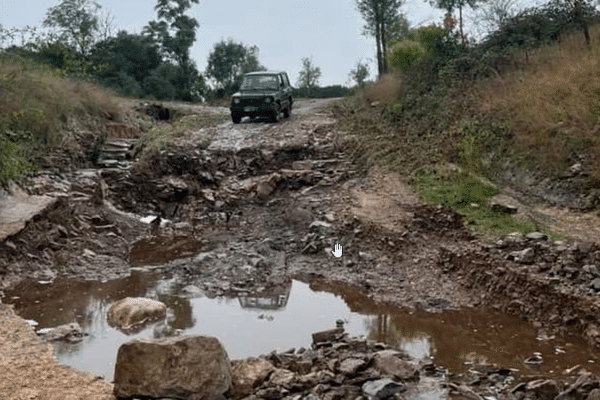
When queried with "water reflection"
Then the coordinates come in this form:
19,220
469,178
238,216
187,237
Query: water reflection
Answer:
285,317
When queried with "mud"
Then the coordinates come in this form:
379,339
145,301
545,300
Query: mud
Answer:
240,210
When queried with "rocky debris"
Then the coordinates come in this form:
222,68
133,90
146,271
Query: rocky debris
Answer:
69,332
133,313
117,153
395,366
248,374
176,368
337,367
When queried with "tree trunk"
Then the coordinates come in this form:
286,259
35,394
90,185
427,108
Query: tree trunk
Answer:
384,46
378,41
462,35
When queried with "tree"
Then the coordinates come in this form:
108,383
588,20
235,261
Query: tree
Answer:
380,16
126,55
360,73
229,61
77,22
176,33
308,78
451,5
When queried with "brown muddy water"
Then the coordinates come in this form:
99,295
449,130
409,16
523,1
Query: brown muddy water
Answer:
255,325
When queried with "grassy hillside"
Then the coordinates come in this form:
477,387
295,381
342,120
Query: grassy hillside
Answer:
42,113
530,120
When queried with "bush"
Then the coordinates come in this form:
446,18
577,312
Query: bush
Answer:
159,87
404,54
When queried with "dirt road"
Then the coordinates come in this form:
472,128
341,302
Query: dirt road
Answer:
283,194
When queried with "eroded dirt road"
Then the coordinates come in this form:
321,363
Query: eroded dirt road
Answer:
244,208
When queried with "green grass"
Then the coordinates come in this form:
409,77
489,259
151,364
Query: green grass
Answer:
470,196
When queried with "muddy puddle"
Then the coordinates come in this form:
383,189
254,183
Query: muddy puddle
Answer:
249,326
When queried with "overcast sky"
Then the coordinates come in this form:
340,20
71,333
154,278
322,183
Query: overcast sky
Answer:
284,31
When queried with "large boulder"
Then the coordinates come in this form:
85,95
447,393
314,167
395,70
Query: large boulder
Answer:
247,374
132,313
176,367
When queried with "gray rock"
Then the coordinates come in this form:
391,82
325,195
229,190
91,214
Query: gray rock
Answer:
543,389
351,366
526,256
192,291
595,284
131,313
536,236
381,389
395,367
70,332
281,377
327,336
248,374
173,367
504,209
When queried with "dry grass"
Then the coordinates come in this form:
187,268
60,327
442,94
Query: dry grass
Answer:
37,101
553,103
384,91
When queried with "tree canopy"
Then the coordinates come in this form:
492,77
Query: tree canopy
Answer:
229,61
309,75
76,21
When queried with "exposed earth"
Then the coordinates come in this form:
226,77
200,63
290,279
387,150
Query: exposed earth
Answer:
245,208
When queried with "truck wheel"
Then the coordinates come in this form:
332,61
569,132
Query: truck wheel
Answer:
275,117
288,111
236,118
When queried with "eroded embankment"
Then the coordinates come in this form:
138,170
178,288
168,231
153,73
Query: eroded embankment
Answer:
554,286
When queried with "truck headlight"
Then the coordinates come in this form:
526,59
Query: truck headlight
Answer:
268,100
236,100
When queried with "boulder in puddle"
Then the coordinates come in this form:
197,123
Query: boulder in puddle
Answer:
132,313
70,332
176,367
395,367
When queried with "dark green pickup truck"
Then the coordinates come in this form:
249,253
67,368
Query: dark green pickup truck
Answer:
262,94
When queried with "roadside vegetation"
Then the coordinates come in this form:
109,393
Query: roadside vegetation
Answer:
525,100
41,111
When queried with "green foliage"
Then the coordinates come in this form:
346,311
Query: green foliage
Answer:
77,22
323,92
404,54
228,62
176,33
537,26
470,196
308,77
360,73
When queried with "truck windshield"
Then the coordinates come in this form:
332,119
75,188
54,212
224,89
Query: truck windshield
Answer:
259,82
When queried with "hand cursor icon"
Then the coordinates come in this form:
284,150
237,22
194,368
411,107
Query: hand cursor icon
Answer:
337,250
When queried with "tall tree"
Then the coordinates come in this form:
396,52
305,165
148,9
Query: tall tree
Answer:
309,75
176,33
451,5
76,21
229,61
380,16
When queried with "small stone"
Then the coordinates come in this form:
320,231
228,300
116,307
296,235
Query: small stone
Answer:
351,366
526,256
536,236
504,209
381,389
543,389
595,284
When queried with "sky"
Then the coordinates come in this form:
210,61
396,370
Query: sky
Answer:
329,31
